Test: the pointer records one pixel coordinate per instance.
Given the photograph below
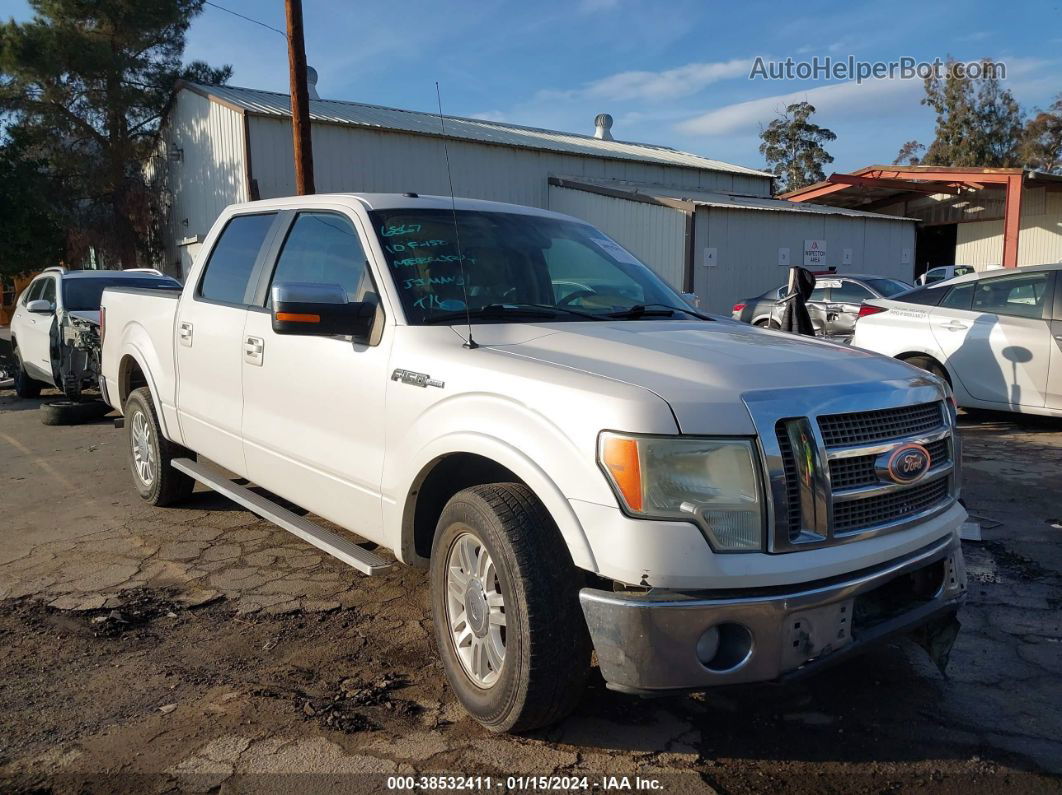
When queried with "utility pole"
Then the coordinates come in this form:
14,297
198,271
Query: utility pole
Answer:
300,100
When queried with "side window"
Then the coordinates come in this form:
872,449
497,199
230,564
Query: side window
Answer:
48,290
819,294
959,297
850,293
228,271
935,275
32,293
324,248
1021,296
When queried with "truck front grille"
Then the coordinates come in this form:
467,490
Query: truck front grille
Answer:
862,427
856,471
856,515
857,497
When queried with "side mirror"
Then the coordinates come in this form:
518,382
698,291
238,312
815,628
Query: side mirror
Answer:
41,306
320,310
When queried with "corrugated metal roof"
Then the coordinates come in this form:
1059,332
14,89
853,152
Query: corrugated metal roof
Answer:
269,103
726,200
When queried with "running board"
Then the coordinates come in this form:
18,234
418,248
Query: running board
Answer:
325,540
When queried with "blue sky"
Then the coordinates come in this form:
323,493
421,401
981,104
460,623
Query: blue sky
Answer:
671,72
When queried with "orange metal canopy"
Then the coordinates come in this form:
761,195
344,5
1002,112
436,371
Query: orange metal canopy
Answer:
885,180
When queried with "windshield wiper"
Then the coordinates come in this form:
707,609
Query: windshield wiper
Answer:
508,310
653,310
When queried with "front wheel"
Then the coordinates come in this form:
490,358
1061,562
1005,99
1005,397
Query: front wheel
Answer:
505,603
150,453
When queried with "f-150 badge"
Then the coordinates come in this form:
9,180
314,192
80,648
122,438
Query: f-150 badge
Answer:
416,379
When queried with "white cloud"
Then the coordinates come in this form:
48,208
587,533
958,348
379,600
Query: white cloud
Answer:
831,102
682,81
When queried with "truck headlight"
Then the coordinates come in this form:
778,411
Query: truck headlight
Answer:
712,482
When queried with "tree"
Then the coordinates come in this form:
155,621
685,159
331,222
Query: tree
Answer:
979,123
910,154
1041,146
88,83
793,147
31,224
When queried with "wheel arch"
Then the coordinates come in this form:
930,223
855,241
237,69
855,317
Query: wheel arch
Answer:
478,460
133,373
915,354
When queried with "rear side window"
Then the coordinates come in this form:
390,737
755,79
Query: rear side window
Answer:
228,271
1021,296
927,296
850,293
959,297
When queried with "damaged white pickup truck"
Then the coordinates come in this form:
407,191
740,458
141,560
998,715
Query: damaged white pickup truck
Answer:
509,398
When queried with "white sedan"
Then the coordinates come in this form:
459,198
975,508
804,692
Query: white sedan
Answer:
996,337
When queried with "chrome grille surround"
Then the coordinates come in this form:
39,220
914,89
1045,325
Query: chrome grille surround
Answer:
806,507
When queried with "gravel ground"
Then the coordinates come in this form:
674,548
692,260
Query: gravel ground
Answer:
201,649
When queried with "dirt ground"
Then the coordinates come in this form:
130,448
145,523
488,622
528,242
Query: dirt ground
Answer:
201,649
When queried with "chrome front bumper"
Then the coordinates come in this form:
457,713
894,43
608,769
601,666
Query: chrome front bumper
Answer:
648,642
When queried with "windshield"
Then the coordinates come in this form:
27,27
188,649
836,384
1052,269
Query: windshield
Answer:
548,268
888,287
86,294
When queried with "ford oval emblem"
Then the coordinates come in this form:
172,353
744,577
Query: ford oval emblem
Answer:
907,463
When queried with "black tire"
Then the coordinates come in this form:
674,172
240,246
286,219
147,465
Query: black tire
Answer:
26,387
66,412
930,365
762,322
546,643
166,485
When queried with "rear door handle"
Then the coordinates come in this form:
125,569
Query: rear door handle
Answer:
956,326
184,333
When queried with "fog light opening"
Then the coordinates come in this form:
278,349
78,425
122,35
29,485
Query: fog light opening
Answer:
725,647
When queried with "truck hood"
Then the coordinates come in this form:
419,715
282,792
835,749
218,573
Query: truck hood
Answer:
702,369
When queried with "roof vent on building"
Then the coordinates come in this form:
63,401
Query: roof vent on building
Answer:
603,127
311,83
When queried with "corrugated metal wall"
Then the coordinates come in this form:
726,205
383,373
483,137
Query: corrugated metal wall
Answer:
209,177
747,243
356,159
980,243
654,234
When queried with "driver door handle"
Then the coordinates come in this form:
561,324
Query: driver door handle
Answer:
955,325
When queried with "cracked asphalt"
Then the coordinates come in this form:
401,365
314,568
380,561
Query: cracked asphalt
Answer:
201,649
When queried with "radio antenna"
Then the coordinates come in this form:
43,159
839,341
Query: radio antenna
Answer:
469,343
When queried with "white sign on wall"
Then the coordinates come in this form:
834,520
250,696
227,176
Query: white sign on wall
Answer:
783,258
814,252
846,256
711,257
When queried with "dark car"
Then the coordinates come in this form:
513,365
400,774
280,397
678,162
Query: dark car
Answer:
833,306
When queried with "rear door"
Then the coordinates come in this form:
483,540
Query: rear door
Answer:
995,334
313,414
209,347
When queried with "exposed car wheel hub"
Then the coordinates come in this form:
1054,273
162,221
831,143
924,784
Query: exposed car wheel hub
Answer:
143,452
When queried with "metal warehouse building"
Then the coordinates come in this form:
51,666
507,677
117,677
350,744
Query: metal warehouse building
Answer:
704,225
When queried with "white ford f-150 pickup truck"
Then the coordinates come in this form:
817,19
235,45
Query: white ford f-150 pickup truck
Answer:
507,397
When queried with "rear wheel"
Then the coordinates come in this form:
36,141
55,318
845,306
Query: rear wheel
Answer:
150,453
505,603
25,385
930,365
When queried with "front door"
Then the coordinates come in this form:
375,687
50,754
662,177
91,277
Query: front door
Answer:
996,337
842,310
35,330
313,421
209,344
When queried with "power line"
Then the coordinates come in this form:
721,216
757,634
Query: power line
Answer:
249,19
